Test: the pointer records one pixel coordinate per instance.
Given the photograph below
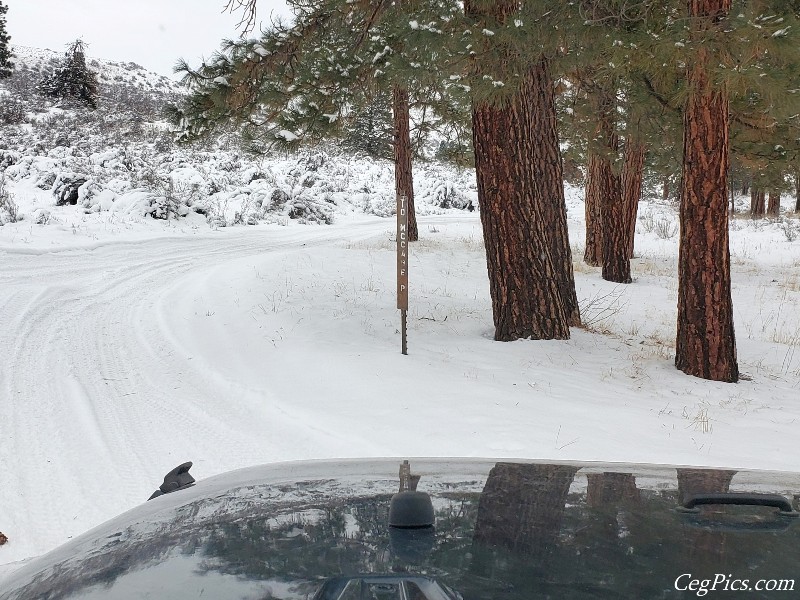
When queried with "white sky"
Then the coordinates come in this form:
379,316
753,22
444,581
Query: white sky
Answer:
152,33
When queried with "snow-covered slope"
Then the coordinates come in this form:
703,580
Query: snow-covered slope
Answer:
121,159
108,72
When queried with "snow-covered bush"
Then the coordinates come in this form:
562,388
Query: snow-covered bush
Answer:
9,211
306,211
42,217
447,195
12,110
66,188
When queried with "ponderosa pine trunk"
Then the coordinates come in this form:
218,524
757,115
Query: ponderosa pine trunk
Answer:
616,260
632,175
539,94
615,214
705,341
797,192
403,175
526,299
757,202
774,206
593,253
745,187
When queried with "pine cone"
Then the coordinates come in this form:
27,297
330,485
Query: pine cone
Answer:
3,539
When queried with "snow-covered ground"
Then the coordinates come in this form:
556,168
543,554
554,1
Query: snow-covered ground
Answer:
131,345
246,331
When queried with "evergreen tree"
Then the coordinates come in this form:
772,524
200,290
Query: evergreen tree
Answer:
6,65
372,131
72,80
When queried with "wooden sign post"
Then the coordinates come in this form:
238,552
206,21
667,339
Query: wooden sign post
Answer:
402,266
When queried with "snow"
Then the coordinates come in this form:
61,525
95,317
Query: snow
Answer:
135,345
286,135
132,344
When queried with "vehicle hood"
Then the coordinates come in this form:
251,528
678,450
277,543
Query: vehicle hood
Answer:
503,529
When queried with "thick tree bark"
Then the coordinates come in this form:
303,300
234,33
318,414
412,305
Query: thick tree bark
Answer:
705,343
757,202
616,259
403,176
774,207
593,254
615,214
526,299
632,175
551,207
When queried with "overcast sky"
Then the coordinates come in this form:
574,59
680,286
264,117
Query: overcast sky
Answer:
152,33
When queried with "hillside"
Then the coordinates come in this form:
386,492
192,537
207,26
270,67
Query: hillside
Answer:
64,163
110,73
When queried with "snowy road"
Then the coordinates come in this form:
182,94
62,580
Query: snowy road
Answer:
97,404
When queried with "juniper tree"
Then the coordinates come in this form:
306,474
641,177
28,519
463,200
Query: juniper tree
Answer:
72,80
6,55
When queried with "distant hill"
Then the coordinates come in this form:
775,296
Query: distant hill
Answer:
125,88
109,72
61,162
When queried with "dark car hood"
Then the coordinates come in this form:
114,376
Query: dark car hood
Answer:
510,529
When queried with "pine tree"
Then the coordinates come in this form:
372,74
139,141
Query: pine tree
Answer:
705,342
526,298
372,131
6,64
72,80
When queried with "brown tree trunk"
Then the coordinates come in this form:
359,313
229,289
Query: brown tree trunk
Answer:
593,254
757,202
733,199
665,190
774,207
403,177
551,205
526,299
705,342
616,260
745,187
615,215
797,192
632,175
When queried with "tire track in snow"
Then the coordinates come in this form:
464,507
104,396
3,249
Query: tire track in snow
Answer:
98,403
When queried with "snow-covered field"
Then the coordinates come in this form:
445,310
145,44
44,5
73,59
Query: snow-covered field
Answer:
131,345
